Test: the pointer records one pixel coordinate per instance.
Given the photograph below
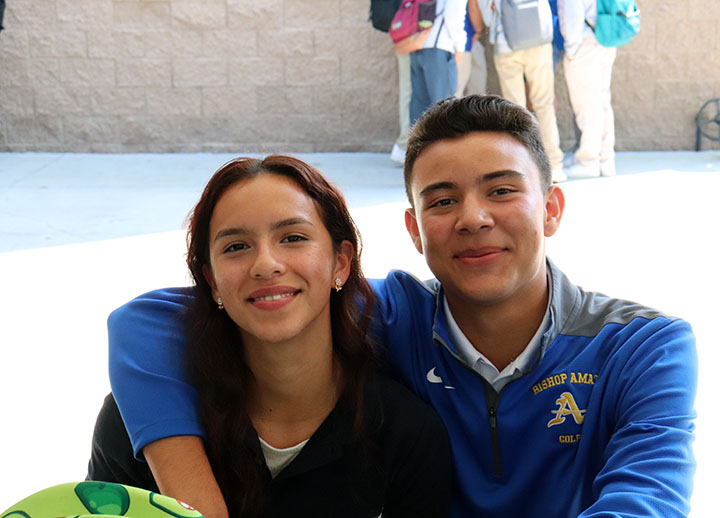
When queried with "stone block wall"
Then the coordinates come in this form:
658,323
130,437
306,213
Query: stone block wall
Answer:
285,75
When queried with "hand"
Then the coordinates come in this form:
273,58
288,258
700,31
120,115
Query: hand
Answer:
419,37
413,42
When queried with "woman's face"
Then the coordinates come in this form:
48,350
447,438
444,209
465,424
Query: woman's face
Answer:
273,261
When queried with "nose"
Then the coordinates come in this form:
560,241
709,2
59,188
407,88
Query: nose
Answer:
473,215
267,263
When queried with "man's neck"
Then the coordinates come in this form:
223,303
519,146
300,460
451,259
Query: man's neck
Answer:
501,331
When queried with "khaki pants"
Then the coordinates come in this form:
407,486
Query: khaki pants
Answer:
404,95
588,75
536,66
472,72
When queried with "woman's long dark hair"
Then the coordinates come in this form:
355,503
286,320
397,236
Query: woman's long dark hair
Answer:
216,353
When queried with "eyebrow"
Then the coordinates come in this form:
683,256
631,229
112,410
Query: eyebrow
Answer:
239,231
441,186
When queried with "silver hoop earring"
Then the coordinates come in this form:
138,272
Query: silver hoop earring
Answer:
338,284
220,304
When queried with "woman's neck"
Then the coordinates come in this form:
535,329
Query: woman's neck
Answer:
296,385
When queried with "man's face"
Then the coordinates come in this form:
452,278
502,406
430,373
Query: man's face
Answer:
481,217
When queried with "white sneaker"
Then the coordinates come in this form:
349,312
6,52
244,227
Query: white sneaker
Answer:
607,168
397,155
580,171
558,175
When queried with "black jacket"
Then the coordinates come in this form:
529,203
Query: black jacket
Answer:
409,474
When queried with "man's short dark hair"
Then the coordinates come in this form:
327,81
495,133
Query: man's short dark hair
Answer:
454,118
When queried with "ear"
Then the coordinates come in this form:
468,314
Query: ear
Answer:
343,261
411,225
207,273
554,207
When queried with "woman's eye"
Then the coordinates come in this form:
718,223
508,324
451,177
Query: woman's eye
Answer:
236,247
293,239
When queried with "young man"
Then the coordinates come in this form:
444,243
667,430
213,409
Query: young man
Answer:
558,402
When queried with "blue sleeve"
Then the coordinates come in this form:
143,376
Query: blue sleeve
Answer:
149,374
148,368
649,463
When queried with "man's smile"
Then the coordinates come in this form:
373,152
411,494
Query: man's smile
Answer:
482,255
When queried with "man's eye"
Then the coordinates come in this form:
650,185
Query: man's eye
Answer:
502,190
294,239
443,203
236,247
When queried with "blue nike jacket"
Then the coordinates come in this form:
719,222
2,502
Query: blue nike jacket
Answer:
602,427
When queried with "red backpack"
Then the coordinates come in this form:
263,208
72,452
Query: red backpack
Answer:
411,17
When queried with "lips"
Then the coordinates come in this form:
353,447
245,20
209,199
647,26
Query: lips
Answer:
272,293
272,298
482,255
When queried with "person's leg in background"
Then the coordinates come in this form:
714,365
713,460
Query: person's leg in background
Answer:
404,94
464,67
442,75
539,72
588,76
607,147
509,69
433,73
419,98
477,84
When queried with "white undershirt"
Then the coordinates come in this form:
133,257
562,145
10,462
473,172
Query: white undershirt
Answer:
524,362
277,458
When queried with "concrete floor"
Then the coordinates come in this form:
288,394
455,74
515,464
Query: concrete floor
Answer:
81,234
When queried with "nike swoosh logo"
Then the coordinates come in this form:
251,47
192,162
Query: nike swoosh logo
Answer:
434,378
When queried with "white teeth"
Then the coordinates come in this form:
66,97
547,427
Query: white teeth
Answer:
274,297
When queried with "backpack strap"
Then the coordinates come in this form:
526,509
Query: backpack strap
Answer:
442,24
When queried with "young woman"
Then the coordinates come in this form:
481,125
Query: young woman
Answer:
297,423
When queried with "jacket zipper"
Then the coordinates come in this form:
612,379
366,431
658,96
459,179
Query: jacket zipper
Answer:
492,399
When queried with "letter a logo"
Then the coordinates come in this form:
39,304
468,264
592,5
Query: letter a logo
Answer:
566,406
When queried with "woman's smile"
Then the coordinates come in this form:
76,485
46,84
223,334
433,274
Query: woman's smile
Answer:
273,297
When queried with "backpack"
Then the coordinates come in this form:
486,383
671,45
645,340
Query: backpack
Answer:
412,16
618,21
526,23
382,12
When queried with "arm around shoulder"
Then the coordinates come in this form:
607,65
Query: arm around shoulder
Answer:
148,368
